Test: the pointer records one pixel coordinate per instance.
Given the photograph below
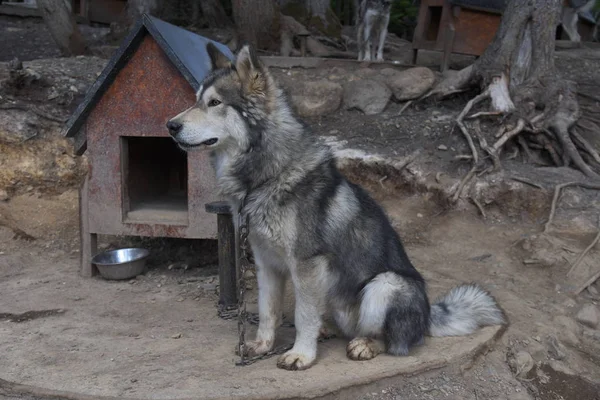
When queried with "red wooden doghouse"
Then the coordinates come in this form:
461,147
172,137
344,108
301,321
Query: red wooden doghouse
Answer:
139,182
456,26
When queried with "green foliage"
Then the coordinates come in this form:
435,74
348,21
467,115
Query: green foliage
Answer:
403,18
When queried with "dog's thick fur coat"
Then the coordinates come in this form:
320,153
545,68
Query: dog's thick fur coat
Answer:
309,224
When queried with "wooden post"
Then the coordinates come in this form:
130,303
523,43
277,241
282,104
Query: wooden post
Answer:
449,39
88,241
228,265
303,38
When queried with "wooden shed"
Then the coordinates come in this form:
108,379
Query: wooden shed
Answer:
456,26
139,182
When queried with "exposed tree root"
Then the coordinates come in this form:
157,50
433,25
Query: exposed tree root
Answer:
584,252
527,182
589,282
459,121
537,110
586,145
509,135
479,207
557,191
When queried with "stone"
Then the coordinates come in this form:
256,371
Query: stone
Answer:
316,98
409,84
369,96
442,147
588,316
521,363
3,195
567,329
556,349
537,350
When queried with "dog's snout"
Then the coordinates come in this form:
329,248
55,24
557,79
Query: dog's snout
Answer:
173,127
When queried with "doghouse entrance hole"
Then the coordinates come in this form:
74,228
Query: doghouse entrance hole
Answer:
434,22
155,179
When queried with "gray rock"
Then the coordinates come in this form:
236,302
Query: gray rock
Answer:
567,329
3,195
317,98
369,96
556,349
588,316
521,363
409,84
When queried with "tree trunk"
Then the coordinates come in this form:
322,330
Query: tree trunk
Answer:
214,14
257,22
316,15
63,28
517,74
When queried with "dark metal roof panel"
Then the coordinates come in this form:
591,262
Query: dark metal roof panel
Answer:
489,5
588,16
185,49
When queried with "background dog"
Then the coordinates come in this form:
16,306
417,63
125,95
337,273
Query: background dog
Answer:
570,16
373,20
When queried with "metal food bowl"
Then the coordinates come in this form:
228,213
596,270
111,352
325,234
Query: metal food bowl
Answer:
121,263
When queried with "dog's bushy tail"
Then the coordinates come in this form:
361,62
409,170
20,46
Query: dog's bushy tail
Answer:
463,310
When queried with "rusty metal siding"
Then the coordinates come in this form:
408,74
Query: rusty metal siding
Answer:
145,94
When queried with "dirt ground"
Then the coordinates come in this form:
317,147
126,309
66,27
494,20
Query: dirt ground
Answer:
447,245
448,248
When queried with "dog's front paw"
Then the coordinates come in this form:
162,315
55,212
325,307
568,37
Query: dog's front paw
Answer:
255,348
294,361
361,349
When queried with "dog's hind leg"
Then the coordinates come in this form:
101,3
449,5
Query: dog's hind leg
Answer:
271,285
383,30
360,41
368,35
310,279
393,309
376,298
569,23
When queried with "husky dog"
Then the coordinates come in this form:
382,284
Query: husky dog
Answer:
373,19
309,224
571,10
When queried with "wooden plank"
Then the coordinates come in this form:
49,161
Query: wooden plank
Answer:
88,240
19,10
227,260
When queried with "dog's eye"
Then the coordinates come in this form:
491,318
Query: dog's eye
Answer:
214,103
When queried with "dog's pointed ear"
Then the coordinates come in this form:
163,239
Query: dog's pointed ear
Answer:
218,60
250,70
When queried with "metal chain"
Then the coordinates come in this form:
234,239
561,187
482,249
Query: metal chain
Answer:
242,315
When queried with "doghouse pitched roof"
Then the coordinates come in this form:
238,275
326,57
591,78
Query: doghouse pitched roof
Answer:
486,5
185,49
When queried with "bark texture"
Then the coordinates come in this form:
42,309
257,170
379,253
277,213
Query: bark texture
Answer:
257,22
63,28
214,14
316,15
